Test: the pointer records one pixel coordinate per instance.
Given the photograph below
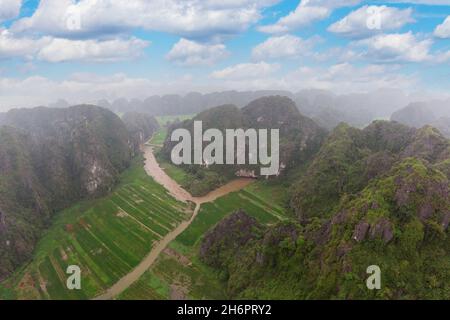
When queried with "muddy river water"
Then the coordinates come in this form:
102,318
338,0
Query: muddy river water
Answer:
159,175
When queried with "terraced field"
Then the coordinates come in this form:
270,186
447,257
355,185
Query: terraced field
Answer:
107,238
178,273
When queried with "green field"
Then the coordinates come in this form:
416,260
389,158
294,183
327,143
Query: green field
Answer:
178,272
164,120
160,136
107,238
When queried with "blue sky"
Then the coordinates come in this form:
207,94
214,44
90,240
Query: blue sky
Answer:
87,50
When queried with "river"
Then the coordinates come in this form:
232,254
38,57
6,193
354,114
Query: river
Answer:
159,175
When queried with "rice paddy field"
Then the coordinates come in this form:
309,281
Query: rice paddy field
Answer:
107,238
178,273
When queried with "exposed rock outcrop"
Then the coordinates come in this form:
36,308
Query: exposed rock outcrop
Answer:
50,158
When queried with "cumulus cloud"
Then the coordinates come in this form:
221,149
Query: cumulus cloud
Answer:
397,47
89,88
285,46
246,71
191,53
369,20
187,18
11,46
340,78
346,78
60,50
443,30
307,12
85,88
9,9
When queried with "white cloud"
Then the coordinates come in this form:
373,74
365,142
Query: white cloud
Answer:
11,46
307,12
9,9
191,53
340,78
346,78
397,47
246,71
443,30
85,88
369,20
60,50
285,46
187,18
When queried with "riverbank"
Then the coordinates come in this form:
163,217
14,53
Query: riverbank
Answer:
154,170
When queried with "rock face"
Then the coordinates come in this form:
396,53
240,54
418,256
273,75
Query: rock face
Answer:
141,127
50,158
350,158
375,196
300,137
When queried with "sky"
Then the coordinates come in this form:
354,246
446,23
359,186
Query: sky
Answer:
86,50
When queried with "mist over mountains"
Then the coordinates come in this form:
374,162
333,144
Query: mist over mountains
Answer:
353,196
51,158
325,107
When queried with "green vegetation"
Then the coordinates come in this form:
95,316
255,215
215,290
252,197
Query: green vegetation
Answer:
175,172
159,137
398,221
92,235
373,196
300,139
165,120
180,272
49,160
140,126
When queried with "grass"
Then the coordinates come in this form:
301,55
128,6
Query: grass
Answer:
164,120
106,237
159,137
180,270
175,172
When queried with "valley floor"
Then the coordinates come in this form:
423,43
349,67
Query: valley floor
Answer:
114,238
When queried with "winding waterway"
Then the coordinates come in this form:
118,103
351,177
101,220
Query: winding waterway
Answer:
159,175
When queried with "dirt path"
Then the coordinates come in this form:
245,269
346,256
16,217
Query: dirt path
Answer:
159,175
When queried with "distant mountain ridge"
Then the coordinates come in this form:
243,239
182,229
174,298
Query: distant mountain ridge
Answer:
323,106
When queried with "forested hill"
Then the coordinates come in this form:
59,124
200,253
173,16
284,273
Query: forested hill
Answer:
50,158
378,196
300,138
